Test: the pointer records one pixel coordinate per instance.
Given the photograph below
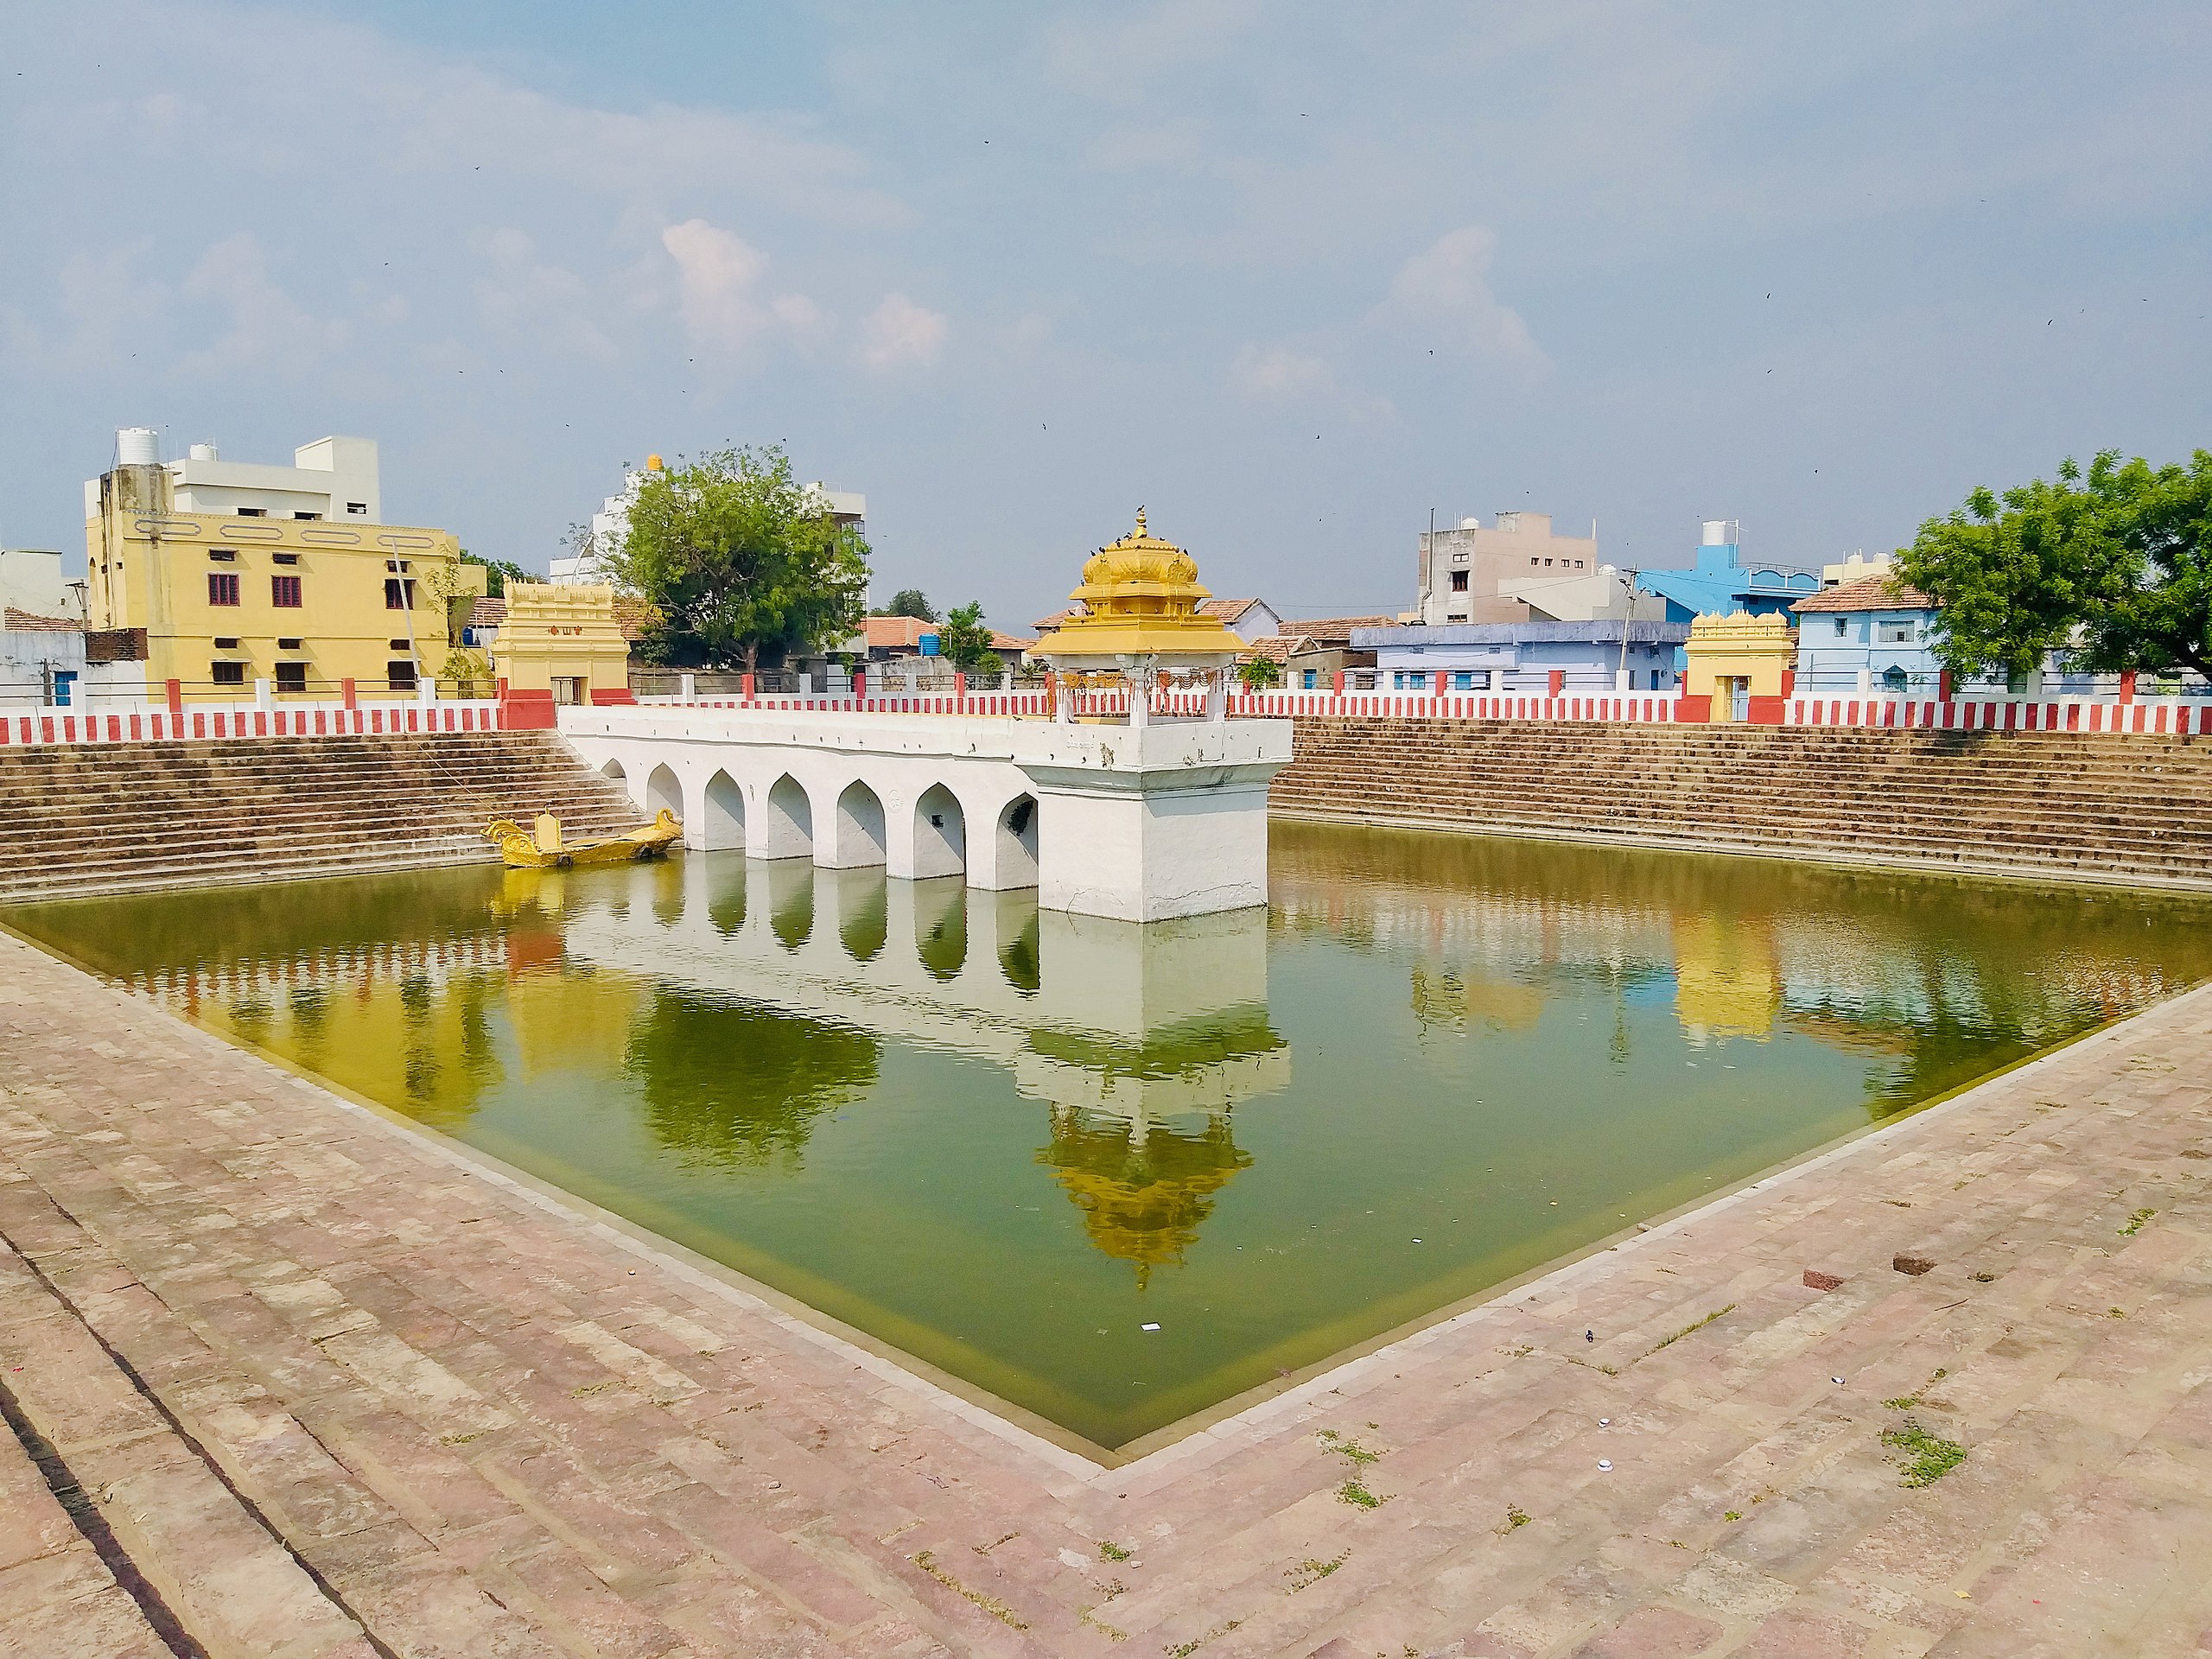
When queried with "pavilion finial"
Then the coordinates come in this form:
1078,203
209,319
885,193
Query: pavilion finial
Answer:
1139,521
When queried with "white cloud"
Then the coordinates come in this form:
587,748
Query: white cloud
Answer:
1278,371
1448,286
718,275
270,333
1281,374
521,295
899,333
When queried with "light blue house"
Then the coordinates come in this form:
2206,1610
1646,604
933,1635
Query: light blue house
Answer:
1721,583
1876,637
1576,659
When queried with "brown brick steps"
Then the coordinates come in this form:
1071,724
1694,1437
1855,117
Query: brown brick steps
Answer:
2105,808
132,817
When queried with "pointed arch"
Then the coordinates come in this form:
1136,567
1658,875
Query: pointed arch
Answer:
940,830
722,815
788,829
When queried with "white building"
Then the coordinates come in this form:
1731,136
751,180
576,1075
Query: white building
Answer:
32,581
331,477
611,525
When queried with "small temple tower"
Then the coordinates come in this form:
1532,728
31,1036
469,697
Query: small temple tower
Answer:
1140,619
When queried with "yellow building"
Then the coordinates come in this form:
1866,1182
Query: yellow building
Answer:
244,573
1742,663
560,644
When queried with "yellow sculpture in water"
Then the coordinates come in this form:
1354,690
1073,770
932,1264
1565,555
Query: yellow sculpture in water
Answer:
1141,597
544,849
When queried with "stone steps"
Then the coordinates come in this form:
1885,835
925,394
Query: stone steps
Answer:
136,816
2068,805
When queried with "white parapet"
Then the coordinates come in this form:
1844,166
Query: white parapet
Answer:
1141,823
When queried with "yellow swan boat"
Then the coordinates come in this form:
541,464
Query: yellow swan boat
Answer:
543,849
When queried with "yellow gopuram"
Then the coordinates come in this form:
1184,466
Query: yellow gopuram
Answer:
1735,660
1140,598
559,646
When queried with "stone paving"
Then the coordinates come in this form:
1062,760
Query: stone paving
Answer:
319,1384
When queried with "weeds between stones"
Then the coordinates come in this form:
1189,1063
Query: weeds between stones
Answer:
1354,1491
1310,1571
2135,1223
1110,1551
1932,1457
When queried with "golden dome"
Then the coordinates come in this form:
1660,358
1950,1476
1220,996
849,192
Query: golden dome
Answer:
1141,597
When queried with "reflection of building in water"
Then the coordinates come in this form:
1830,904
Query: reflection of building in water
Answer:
1444,997
1143,1188
406,1023
1141,1039
1725,983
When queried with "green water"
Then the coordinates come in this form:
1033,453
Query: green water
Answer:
1008,1140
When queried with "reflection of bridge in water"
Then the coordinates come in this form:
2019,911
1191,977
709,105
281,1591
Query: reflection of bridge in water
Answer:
1141,1039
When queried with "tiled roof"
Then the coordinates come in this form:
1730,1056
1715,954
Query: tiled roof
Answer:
1867,593
24,622
1228,610
1009,642
1336,630
1046,624
487,613
1279,648
891,632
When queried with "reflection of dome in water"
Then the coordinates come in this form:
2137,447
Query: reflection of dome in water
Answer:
1144,1190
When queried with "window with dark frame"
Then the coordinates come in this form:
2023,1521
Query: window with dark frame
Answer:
284,593
226,673
222,587
399,594
401,674
291,676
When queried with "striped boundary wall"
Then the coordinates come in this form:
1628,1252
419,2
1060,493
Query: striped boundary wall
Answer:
2154,716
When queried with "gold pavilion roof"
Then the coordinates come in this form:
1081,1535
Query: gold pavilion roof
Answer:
1141,597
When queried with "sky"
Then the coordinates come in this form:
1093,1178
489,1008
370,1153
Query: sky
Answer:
1291,276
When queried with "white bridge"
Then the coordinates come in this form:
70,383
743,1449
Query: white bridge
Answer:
1141,822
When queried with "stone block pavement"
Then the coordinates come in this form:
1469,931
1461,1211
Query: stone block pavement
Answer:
283,1377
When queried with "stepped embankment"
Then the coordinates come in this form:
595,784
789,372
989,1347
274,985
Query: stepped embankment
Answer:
2131,811
127,818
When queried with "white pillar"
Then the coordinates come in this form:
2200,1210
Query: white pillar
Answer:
1621,685
690,686
1217,695
1139,699
262,696
1865,682
425,689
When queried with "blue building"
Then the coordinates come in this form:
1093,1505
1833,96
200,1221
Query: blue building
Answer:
1877,636
1520,658
1721,583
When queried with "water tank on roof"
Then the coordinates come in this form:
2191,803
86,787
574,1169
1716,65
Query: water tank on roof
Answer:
137,446
1719,532
205,452
1471,523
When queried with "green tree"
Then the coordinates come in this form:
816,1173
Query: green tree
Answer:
739,561
965,639
2111,568
910,601
498,574
1258,673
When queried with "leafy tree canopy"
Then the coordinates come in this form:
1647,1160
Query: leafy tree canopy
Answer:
499,573
740,563
2111,567
1258,673
965,640
910,601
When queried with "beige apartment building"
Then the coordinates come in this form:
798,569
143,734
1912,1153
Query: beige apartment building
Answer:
1469,573
250,578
